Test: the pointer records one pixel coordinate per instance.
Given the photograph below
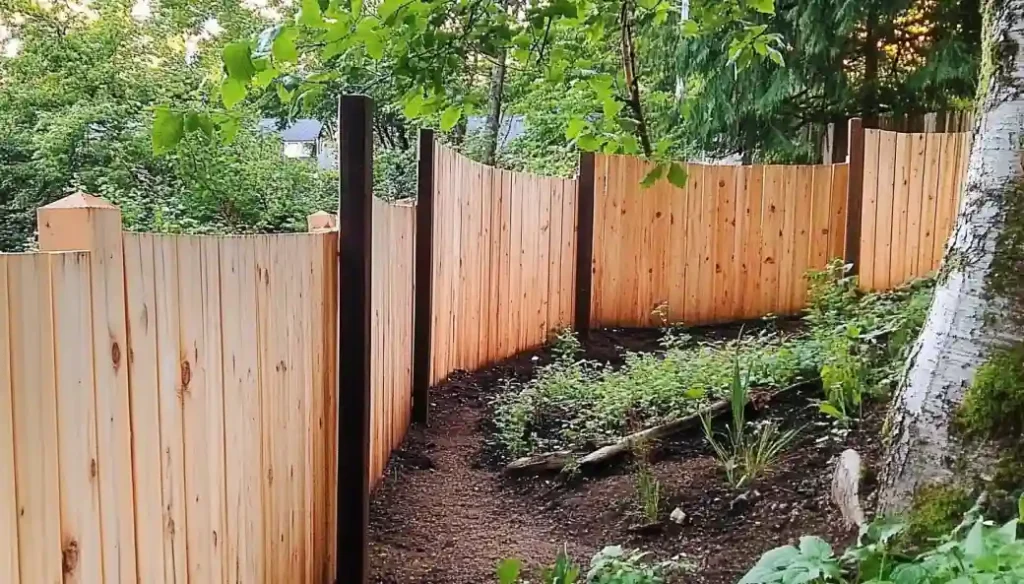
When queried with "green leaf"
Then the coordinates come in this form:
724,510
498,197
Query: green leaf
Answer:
694,393
413,107
284,94
574,128
310,14
776,57
1020,508
198,122
589,143
630,144
661,148
232,91
195,121
612,107
654,175
168,128
229,129
450,117
357,7
389,7
815,547
521,55
238,61
690,29
762,6
974,544
284,49
830,410
677,175
265,77
508,570
374,46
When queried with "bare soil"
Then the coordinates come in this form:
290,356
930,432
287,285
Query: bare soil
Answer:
446,515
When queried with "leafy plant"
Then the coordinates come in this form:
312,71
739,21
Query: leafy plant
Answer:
975,551
745,455
648,488
611,565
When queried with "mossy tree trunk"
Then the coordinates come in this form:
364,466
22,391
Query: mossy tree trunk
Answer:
976,314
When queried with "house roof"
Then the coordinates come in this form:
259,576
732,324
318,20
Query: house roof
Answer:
298,131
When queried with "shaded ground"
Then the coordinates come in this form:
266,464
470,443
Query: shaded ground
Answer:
446,515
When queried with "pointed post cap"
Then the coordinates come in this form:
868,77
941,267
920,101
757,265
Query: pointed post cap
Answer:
80,200
321,221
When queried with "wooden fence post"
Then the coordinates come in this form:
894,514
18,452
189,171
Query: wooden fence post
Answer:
355,128
85,222
855,193
584,244
424,281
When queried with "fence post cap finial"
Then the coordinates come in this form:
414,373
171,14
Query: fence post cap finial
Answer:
321,221
81,200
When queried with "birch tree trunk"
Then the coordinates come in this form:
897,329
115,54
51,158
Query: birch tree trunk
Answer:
977,308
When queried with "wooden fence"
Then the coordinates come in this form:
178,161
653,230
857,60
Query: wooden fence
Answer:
912,186
392,294
734,244
166,405
503,253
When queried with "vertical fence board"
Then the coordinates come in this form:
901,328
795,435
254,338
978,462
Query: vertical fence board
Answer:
242,413
948,182
869,209
709,218
840,197
9,566
81,534
915,207
820,216
751,242
140,295
788,267
173,377
772,238
887,179
35,419
900,208
802,227
694,244
929,202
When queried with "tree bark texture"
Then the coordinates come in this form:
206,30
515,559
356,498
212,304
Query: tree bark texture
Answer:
494,101
970,318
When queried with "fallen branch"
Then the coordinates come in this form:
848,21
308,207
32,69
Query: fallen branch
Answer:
553,461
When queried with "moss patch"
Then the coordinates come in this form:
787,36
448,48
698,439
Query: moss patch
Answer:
993,407
936,510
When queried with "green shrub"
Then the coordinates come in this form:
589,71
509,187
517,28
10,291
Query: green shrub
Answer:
855,343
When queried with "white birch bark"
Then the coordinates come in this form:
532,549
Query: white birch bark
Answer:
965,324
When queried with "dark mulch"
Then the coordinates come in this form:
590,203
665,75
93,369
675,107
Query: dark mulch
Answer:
445,515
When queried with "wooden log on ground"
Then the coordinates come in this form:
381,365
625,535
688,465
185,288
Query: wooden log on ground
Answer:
553,461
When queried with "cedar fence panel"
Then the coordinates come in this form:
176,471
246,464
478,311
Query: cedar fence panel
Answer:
503,261
228,359
734,243
912,185
392,296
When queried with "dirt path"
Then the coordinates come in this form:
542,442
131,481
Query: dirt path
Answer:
451,524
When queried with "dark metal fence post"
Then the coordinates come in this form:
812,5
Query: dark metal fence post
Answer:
424,278
584,244
355,129
855,193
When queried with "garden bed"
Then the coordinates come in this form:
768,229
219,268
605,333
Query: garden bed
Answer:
447,514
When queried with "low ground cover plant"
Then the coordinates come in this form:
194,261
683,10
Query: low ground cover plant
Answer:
853,342
976,551
611,565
